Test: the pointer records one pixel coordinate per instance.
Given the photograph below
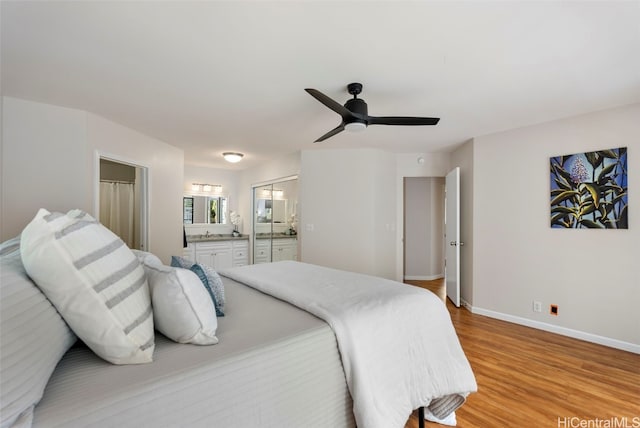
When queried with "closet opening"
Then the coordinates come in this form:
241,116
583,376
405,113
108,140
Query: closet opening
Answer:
275,220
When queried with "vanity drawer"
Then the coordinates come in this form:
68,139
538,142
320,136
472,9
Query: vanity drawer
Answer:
241,244
240,253
213,245
262,251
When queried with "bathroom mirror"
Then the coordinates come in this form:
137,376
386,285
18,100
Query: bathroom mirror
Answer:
198,209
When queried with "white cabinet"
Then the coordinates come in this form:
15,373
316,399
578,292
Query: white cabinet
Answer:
262,251
240,252
219,254
285,249
267,250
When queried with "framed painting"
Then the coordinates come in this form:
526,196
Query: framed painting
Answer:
589,190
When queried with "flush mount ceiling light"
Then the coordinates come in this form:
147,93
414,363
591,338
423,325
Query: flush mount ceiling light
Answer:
232,157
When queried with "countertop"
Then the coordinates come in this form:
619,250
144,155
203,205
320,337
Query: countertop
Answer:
274,236
219,237
216,237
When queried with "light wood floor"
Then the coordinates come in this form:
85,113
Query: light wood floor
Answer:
531,378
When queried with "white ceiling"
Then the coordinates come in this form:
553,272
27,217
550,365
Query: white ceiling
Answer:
213,76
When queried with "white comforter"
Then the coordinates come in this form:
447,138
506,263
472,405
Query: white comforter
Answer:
398,347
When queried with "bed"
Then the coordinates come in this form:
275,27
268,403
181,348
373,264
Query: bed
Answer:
298,346
258,375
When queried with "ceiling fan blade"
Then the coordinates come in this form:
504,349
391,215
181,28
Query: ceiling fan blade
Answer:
331,133
403,120
333,105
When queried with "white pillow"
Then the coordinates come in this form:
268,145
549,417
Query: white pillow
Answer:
95,282
182,308
146,257
33,339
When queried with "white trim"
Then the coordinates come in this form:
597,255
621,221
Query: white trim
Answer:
400,218
423,277
466,305
576,334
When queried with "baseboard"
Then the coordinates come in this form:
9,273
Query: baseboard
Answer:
466,305
423,277
576,334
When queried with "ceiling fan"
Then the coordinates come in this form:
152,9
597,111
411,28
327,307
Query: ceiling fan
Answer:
355,117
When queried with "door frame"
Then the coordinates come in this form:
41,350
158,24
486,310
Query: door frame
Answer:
401,223
143,185
431,223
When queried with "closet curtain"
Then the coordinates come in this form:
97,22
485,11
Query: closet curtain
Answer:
117,209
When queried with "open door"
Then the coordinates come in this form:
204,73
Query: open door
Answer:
452,235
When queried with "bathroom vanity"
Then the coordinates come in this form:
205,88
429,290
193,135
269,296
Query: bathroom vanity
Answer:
218,251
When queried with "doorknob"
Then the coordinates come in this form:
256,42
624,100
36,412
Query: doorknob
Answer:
453,243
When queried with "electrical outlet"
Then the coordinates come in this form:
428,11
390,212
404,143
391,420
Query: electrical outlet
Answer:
537,306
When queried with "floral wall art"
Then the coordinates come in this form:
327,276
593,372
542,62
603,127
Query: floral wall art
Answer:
589,190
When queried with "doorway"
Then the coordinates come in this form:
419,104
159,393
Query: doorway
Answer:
122,200
423,234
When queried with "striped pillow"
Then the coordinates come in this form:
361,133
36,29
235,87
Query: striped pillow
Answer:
33,339
95,282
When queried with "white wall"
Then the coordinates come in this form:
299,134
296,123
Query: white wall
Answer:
49,160
384,214
45,162
592,275
348,210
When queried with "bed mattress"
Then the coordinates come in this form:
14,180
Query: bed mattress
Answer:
275,366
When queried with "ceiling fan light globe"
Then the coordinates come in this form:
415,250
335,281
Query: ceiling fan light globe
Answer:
355,126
